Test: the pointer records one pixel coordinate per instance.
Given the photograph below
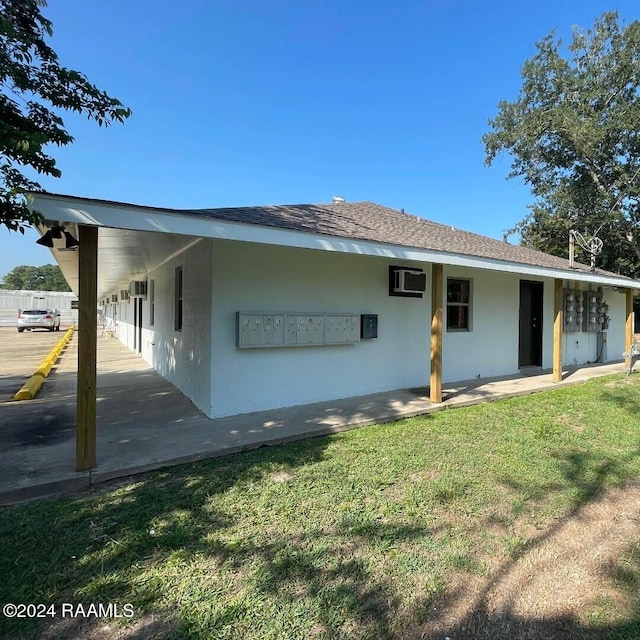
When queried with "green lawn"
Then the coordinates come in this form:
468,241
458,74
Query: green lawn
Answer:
366,534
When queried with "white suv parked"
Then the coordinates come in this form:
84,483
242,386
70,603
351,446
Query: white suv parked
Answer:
39,319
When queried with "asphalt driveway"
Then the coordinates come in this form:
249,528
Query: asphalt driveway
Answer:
38,421
20,355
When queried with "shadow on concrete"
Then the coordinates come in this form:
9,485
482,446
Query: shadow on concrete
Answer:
41,426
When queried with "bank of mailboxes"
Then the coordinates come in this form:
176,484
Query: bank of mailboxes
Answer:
288,330
585,311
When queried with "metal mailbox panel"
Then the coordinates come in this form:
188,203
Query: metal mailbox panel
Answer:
335,333
354,328
310,329
268,330
291,337
331,330
256,331
278,330
243,330
295,329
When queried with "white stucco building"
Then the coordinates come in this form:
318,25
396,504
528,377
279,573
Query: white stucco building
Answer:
253,308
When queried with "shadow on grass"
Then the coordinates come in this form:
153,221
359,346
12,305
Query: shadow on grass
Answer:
629,403
588,476
103,548
227,578
507,625
482,624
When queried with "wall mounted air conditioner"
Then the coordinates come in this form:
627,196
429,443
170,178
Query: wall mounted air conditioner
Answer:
138,288
406,280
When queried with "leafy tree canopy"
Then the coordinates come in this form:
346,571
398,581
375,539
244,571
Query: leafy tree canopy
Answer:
45,278
34,88
573,135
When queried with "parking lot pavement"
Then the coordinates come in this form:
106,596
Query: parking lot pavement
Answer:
20,356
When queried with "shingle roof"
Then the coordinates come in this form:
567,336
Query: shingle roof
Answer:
373,222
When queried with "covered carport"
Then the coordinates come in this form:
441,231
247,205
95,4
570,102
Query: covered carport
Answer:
105,259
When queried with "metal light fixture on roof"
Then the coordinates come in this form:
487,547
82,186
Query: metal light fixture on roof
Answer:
46,240
55,233
71,244
49,236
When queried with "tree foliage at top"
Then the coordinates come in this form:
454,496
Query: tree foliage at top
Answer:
48,277
573,135
34,88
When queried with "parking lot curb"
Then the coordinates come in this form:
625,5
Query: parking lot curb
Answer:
31,387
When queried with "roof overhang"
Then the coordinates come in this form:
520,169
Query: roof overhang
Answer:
134,240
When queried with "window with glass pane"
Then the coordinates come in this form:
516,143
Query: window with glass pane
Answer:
178,300
458,305
152,302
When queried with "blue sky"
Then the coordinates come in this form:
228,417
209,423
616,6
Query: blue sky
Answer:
242,102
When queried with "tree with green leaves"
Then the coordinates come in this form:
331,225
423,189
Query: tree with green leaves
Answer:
48,277
34,87
573,135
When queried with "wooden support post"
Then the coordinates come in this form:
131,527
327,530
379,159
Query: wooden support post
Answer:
437,295
87,346
628,333
558,319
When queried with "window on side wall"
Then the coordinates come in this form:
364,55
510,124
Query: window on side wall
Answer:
177,325
152,302
458,304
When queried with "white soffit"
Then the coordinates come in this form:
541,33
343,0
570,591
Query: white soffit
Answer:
125,255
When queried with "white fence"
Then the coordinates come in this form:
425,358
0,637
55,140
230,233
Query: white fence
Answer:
11,301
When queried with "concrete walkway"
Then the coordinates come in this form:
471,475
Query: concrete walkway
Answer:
145,423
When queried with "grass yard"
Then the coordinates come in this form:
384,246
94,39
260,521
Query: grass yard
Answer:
516,519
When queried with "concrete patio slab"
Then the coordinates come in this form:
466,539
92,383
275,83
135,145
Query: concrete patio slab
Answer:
145,423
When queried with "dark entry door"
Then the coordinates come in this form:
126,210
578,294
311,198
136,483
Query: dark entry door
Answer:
139,328
530,343
137,324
